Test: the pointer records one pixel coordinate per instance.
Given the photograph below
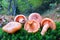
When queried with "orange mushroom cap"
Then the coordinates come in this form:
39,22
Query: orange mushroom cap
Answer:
20,18
35,16
51,23
32,26
12,27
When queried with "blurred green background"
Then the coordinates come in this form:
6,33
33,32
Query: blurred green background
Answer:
14,7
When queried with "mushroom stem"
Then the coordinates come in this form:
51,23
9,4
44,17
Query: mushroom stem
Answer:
45,28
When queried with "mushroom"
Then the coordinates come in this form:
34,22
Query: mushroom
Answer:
12,27
47,23
20,18
31,26
35,16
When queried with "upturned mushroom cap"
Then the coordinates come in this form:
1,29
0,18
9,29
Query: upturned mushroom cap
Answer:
12,27
35,16
20,18
31,26
51,23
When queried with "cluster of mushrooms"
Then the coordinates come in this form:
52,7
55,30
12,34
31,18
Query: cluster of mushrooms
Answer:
31,24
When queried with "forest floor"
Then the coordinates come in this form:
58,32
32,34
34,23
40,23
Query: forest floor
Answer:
53,14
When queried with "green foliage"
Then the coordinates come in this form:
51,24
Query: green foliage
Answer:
24,5
4,11
35,3
28,6
24,35
58,1
4,6
5,3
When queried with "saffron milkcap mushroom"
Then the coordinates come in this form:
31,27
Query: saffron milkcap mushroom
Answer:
12,27
31,26
20,18
35,16
47,23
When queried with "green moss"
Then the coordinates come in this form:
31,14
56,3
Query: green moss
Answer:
24,35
